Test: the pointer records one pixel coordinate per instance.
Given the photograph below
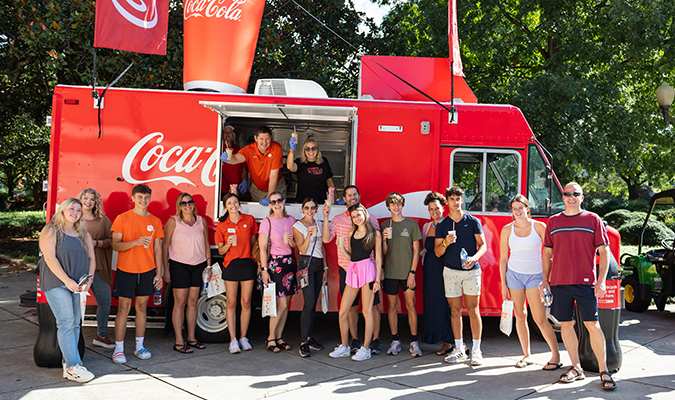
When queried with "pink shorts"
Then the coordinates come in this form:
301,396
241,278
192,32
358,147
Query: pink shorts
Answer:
360,272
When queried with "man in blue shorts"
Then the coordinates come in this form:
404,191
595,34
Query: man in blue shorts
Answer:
570,243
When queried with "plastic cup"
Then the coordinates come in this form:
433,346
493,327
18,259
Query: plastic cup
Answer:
229,153
285,238
146,246
234,240
390,231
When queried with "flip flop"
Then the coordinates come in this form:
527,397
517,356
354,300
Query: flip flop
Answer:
182,348
569,376
610,381
523,363
555,366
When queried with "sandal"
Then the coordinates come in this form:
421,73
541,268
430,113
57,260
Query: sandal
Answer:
523,363
554,365
182,348
607,384
445,352
273,348
569,376
281,343
196,344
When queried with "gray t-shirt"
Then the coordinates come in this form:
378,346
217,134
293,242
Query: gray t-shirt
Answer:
74,259
400,248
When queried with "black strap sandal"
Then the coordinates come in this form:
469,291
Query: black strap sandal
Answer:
272,348
281,343
196,344
607,384
182,348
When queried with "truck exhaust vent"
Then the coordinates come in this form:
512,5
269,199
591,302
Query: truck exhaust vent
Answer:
289,88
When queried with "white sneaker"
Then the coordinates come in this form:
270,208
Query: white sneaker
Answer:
340,351
119,358
361,354
143,354
456,356
244,344
415,350
394,348
78,373
476,357
234,347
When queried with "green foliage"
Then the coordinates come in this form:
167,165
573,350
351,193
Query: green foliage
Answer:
655,232
4,198
618,218
21,218
638,205
604,206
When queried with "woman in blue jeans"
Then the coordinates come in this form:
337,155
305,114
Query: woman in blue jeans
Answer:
67,259
98,226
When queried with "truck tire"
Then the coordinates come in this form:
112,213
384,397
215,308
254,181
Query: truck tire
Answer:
211,320
634,299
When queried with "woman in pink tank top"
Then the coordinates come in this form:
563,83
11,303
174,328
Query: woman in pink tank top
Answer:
522,278
186,252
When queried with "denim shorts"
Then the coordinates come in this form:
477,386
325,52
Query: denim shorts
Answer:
518,281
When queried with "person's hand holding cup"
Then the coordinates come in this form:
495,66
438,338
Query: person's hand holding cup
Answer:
326,210
388,232
450,238
144,241
312,230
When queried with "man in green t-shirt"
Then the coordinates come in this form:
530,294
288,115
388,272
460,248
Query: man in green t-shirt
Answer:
401,246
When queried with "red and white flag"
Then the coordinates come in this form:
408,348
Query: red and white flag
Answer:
453,39
132,25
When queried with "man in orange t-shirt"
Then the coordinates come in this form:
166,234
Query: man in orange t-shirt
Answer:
137,238
264,161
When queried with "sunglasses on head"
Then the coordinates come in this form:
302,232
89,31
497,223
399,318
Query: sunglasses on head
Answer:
575,194
309,207
187,203
274,202
313,148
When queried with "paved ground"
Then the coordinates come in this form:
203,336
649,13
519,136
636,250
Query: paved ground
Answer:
647,341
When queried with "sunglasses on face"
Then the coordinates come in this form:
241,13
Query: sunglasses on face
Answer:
274,202
569,194
187,203
311,148
309,207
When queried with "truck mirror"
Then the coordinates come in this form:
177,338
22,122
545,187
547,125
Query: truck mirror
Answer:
549,177
548,205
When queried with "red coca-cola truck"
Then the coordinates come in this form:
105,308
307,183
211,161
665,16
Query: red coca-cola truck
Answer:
391,138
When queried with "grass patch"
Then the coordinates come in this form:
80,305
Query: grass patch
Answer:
28,253
21,218
19,231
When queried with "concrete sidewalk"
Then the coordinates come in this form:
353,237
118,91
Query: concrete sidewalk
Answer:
647,341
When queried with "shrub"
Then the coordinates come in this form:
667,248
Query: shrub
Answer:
605,206
4,198
655,232
637,205
617,218
665,214
21,218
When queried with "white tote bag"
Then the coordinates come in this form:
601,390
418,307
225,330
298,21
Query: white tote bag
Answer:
324,297
269,300
506,323
216,283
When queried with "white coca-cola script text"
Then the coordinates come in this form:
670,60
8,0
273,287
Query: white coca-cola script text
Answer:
226,9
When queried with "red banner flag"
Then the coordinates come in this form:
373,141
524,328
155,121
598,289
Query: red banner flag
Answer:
132,25
453,39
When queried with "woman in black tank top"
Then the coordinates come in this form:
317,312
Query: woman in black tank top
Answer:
362,275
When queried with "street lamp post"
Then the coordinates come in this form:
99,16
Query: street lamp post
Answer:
664,96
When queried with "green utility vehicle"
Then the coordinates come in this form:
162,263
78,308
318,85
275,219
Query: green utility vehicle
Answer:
650,275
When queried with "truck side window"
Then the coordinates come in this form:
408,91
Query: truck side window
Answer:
537,190
489,179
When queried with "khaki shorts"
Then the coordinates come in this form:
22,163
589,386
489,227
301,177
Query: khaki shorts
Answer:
458,282
257,194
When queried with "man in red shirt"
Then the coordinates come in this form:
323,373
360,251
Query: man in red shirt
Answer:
232,174
570,244
264,161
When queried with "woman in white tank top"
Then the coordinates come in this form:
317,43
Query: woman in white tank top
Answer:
522,277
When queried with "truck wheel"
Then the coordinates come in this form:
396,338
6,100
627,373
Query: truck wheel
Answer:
634,301
211,320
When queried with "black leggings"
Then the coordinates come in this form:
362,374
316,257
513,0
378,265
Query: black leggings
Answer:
310,294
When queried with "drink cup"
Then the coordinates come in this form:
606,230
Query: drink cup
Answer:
454,235
390,231
145,246
234,240
229,153
233,188
212,32
285,238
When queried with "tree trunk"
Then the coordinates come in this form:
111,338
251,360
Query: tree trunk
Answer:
633,191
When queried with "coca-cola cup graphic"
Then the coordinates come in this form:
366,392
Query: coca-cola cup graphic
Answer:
219,40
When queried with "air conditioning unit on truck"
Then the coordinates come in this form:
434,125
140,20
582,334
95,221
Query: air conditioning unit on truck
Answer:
390,139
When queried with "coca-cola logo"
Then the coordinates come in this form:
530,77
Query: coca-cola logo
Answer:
137,12
226,9
174,160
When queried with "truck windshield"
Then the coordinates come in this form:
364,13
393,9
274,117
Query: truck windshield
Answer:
489,179
537,190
